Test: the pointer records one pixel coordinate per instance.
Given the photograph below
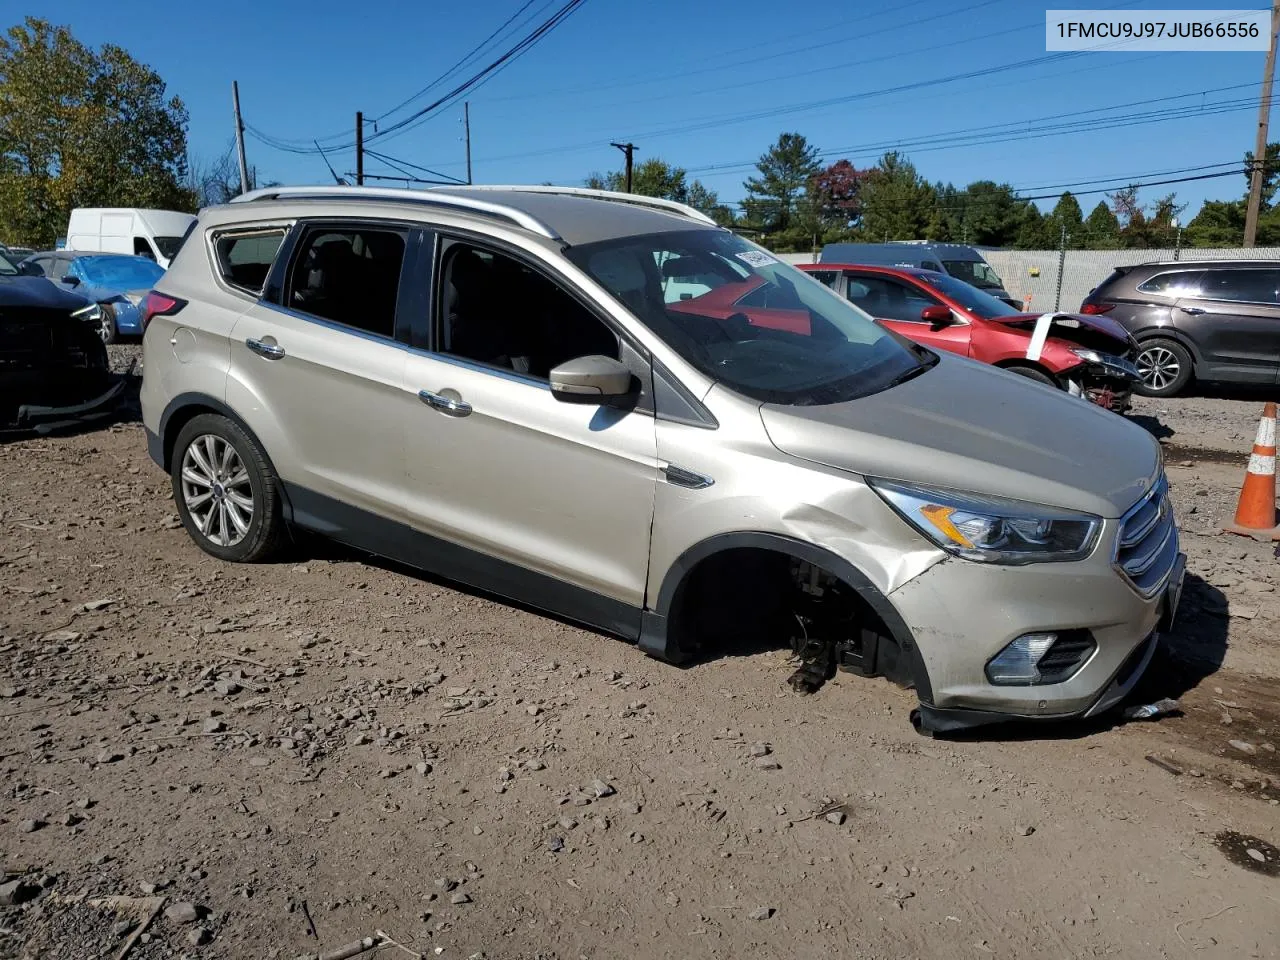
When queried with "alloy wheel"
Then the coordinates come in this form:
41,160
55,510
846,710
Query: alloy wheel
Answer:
216,490
1158,367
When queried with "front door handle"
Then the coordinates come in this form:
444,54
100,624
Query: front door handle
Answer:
272,351
1194,311
453,407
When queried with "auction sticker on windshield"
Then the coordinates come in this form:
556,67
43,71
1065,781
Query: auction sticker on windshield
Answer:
755,258
1124,31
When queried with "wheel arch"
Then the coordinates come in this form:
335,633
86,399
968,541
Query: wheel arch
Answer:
184,408
1009,362
1170,333
660,620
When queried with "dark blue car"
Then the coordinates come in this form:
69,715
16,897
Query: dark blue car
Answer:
117,282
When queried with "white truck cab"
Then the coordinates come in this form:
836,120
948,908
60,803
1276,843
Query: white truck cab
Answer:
155,234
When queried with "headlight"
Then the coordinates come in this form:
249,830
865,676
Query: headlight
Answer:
992,529
92,313
1092,356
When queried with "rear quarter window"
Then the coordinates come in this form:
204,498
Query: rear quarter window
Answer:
1174,283
244,257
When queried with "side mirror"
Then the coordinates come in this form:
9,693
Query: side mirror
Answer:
594,379
71,281
937,316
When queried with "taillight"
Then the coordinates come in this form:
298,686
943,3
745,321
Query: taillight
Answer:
156,304
1097,308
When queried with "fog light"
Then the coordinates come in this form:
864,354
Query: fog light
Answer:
1019,662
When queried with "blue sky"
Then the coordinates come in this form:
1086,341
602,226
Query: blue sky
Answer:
687,81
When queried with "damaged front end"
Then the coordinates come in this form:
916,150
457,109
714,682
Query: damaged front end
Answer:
1105,379
54,371
1094,357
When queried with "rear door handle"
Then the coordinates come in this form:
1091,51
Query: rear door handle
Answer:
1194,311
454,408
272,351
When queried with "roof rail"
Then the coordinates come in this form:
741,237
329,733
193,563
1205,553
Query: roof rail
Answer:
518,217
670,206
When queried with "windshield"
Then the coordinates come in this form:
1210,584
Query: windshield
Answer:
980,304
977,272
747,320
120,273
168,246
7,267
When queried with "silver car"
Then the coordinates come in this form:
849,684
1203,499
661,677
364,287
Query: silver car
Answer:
609,408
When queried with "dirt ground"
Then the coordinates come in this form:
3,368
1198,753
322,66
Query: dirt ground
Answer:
273,761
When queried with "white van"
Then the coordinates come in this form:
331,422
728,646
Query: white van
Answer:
155,234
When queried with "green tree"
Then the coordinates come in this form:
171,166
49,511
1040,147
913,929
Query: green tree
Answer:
1220,223
785,169
1270,174
80,127
706,200
897,204
1067,212
1101,228
992,213
1036,231
649,178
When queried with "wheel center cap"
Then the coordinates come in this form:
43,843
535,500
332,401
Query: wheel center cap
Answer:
219,492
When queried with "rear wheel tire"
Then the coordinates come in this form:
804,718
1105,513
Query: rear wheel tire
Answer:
227,493
1031,373
1166,367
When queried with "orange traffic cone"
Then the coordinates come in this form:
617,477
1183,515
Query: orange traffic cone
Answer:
1256,513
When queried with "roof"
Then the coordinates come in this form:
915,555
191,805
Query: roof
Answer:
574,216
1202,264
871,267
80,254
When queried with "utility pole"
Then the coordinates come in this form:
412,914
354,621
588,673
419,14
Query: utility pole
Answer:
1260,144
360,147
466,124
1062,266
629,149
244,167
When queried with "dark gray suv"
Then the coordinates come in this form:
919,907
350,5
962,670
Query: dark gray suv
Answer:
1212,320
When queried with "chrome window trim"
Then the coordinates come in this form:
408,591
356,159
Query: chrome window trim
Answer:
214,234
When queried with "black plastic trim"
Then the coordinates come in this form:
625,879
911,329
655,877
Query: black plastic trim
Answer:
655,636
675,403
397,541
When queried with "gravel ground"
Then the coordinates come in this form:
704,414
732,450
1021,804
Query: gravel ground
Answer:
312,751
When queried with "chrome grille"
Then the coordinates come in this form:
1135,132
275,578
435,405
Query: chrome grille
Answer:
1147,544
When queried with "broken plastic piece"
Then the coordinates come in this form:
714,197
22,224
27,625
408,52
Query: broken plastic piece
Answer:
1150,711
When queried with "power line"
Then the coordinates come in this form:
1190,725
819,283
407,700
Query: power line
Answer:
471,55
649,78
399,164
513,53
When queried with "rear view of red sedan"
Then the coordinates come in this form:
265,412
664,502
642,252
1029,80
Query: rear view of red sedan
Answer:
1088,356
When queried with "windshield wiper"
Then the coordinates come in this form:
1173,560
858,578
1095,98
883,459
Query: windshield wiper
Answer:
914,371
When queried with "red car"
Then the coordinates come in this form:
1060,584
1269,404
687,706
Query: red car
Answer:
1090,356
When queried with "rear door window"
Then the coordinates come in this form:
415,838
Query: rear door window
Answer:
1242,286
349,275
888,299
245,256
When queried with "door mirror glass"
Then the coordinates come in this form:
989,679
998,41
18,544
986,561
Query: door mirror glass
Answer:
593,379
938,316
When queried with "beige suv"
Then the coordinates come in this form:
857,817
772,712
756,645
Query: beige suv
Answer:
611,409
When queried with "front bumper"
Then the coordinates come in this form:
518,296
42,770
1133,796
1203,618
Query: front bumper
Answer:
41,419
963,613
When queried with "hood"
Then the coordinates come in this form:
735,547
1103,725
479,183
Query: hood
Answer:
972,427
38,292
1064,322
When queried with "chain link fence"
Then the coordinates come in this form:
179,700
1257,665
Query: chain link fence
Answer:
1034,274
